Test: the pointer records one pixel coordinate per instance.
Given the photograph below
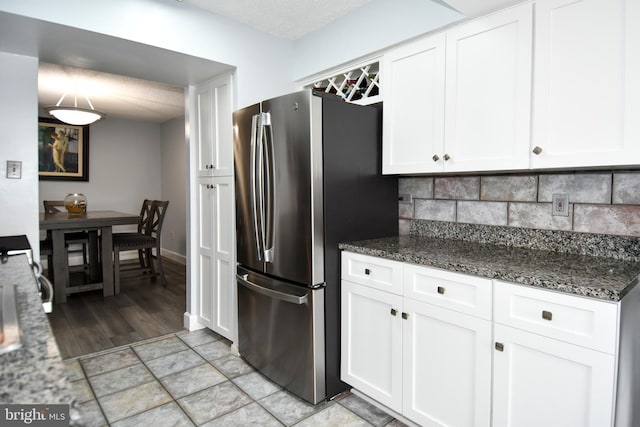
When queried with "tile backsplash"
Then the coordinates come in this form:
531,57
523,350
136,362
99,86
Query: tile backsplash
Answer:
599,202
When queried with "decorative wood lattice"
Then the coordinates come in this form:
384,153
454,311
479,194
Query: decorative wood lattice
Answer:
360,85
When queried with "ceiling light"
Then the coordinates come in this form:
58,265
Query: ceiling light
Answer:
74,115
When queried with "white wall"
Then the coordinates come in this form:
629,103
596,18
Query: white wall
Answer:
264,62
18,121
125,159
377,25
174,188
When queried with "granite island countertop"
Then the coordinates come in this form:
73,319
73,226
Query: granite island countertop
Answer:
34,373
597,277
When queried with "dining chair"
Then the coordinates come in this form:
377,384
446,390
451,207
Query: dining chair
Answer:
71,238
145,241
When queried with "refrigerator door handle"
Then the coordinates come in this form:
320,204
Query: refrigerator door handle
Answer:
254,176
299,299
270,187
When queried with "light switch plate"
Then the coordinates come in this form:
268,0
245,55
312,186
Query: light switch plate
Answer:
14,169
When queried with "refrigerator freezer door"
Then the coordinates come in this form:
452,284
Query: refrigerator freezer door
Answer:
244,147
281,333
294,132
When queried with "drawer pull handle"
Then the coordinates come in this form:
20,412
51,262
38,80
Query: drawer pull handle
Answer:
441,290
367,271
394,312
547,315
405,316
499,346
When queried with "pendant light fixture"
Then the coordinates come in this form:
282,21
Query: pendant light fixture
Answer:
75,115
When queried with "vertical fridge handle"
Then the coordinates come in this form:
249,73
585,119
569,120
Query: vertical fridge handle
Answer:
270,188
255,124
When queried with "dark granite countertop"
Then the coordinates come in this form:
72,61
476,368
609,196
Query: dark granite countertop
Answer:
598,277
34,373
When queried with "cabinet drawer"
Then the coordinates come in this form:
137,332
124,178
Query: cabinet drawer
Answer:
378,273
459,292
578,320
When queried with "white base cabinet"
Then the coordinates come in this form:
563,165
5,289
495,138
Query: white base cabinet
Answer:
540,381
449,349
445,355
419,359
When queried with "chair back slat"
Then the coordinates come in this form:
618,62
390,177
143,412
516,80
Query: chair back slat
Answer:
51,206
145,216
158,210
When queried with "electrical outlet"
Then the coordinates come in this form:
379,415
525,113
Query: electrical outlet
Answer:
560,205
172,235
14,169
405,198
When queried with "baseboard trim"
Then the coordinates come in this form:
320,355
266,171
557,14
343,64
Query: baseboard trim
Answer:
190,322
174,256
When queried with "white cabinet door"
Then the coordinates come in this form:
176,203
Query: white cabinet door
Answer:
213,135
446,360
216,282
488,92
413,122
540,381
586,85
371,343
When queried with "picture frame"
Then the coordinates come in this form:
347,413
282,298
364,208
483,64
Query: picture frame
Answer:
63,151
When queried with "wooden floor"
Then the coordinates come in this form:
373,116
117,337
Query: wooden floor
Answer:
89,322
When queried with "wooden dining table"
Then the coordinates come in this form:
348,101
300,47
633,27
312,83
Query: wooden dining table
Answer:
57,224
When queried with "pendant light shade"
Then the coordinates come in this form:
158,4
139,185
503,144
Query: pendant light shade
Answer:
74,115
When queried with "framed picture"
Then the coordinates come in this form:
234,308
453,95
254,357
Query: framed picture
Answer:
63,151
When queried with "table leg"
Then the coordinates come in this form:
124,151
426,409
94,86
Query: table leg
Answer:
94,267
107,261
60,267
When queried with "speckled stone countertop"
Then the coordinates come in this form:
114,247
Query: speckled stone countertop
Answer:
598,277
33,374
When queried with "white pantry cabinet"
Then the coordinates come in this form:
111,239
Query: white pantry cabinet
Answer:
554,359
424,361
460,100
586,84
212,133
216,253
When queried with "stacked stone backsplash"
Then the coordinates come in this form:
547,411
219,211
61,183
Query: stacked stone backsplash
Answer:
603,220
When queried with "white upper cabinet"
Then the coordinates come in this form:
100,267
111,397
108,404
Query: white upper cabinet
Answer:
413,120
488,92
213,135
586,85
460,100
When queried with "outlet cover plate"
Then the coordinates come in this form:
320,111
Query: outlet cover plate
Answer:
560,205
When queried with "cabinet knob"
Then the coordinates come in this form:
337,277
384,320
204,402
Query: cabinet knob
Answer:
547,315
441,290
499,346
446,157
394,312
367,271
405,316
537,150
435,158
210,186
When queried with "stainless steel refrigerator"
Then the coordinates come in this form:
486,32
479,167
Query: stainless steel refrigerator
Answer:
308,176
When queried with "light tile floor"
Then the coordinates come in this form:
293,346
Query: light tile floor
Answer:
193,378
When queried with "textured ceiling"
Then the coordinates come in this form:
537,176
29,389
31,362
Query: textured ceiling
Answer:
290,19
117,96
